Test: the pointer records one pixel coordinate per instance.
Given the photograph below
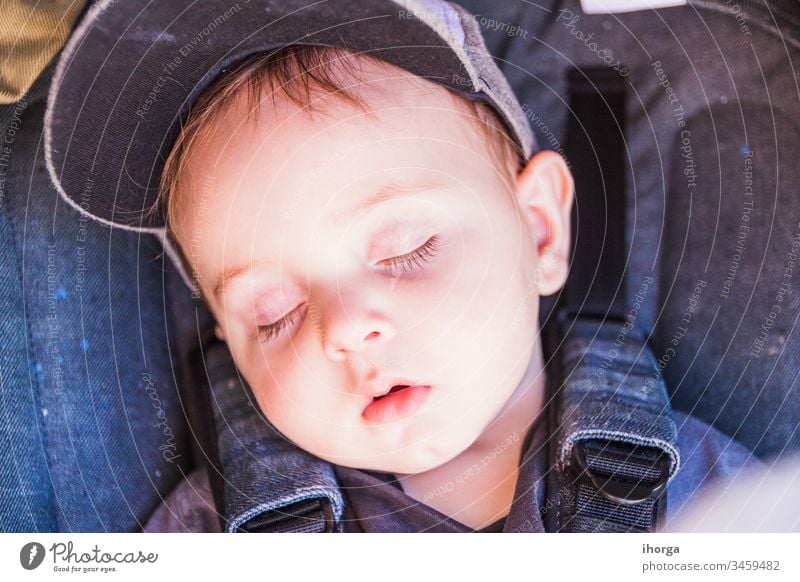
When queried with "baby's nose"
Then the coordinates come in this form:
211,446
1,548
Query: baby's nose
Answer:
349,335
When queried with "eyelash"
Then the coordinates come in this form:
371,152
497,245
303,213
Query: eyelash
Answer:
413,260
408,262
268,332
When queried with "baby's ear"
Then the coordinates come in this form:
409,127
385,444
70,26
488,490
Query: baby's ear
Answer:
545,192
219,333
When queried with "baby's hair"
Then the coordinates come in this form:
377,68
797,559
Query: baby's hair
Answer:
298,71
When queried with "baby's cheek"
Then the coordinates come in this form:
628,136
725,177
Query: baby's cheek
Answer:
291,388
258,370
275,398
498,311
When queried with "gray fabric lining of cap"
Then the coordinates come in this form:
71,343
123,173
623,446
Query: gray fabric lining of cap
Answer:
462,33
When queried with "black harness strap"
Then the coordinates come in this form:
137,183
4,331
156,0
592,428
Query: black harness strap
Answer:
614,450
595,147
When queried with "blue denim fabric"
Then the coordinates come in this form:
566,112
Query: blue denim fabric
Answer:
613,391
612,401
93,434
26,500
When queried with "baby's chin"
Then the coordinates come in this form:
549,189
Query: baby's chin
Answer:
418,459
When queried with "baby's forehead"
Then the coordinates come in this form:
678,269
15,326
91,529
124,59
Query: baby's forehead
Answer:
288,153
395,116
374,94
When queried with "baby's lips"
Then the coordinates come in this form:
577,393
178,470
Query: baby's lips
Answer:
383,385
396,405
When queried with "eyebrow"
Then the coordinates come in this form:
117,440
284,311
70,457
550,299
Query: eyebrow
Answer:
387,192
231,274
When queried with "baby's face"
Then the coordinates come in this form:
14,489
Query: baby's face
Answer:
344,255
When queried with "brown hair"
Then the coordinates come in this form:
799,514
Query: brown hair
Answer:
296,71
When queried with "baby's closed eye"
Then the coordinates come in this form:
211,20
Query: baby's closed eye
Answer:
412,261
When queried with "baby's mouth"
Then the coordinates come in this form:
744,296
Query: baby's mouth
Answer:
400,401
395,388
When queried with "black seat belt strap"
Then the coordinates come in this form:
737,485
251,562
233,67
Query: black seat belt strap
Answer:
595,147
614,454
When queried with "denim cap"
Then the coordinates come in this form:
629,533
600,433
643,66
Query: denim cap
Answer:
132,70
